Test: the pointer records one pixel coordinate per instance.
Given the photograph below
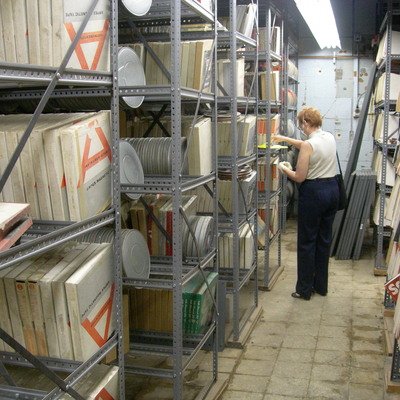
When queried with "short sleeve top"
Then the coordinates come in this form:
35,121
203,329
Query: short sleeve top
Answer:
323,158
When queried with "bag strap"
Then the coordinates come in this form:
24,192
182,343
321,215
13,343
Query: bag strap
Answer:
340,169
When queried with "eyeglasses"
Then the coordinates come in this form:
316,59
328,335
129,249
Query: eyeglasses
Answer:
300,124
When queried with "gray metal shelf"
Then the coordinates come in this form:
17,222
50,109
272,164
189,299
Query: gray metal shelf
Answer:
224,40
178,269
152,93
385,106
163,184
14,75
166,269
271,14
232,41
11,76
106,85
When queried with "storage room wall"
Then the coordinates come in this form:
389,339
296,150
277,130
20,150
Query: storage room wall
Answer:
334,81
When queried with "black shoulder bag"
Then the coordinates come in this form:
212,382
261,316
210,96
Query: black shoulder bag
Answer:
342,189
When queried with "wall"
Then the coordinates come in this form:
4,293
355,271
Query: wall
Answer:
334,81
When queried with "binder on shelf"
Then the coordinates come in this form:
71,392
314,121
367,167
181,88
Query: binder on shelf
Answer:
59,298
32,14
393,90
49,313
153,232
93,49
11,293
223,76
199,155
86,149
30,182
382,48
7,193
246,248
8,31
35,298
188,206
5,321
54,163
203,65
90,294
20,30
2,50
16,176
46,33
25,312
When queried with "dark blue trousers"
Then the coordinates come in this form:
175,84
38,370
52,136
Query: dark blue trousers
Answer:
318,203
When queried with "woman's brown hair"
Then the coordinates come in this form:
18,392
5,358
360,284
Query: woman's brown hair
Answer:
311,115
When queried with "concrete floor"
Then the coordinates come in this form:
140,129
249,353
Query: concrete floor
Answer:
327,348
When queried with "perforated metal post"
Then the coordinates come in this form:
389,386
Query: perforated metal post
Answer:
267,152
116,200
177,350
379,262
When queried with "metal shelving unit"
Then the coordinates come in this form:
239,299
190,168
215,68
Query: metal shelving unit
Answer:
23,82
386,106
271,16
173,272
241,283
289,112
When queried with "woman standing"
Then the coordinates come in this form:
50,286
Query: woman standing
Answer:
318,201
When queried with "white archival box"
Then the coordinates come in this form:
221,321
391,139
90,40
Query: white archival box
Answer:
93,49
48,302
86,149
90,294
60,300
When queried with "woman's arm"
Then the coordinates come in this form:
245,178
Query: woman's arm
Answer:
302,164
279,138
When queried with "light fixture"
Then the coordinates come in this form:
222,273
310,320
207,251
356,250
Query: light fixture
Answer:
319,17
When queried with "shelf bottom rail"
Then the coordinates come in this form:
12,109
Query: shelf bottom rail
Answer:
148,371
48,365
160,343
150,345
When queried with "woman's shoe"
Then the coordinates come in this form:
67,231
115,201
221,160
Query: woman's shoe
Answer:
300,296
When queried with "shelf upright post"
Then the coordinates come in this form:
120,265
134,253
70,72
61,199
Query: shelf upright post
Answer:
177,351
116,193
386,108
234,166
215,184
255,145
284,121
268,148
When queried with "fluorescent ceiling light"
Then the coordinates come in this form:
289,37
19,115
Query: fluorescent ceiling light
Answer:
319,17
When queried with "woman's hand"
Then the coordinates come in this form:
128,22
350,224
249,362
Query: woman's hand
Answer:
278,138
